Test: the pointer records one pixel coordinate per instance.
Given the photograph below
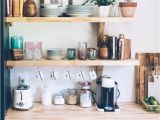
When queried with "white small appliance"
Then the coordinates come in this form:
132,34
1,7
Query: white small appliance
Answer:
22,96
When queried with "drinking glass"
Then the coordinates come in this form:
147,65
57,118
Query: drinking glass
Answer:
82,50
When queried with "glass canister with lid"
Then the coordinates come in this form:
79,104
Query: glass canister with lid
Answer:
85,94
72,97
85,98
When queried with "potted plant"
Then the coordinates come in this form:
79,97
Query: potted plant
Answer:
128,8
103,6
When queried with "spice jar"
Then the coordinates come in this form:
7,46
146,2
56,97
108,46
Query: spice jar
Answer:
103,48
72,97
85,98
82,50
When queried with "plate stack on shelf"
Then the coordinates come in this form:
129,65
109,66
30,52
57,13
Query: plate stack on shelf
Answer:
79,10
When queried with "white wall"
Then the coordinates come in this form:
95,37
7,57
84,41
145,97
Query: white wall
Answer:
159,26
143,32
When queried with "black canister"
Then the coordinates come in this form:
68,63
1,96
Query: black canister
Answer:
113,46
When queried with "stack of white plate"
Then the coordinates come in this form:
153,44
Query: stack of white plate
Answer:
54,54
49,10
79,10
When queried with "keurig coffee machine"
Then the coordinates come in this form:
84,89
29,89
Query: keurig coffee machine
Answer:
107,93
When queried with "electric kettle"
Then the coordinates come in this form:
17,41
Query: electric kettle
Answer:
22,96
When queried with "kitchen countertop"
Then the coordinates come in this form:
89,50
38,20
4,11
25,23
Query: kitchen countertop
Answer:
129,111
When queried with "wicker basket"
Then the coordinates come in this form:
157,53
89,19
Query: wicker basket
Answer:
150,108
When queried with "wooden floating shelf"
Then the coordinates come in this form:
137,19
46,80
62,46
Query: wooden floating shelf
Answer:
30,63
68,19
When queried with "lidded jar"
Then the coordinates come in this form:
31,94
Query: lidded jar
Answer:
72,97
85,94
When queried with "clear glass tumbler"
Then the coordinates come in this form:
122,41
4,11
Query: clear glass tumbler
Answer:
82,50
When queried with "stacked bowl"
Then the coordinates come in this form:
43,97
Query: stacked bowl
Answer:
54,54
80,10
49,10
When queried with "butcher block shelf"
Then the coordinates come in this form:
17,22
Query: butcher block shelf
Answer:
128,111
72,62
68,19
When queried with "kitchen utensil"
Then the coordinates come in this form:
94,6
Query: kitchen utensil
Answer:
82,50
22,97
30,9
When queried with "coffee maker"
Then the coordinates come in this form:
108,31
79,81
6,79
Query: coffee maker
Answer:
107,93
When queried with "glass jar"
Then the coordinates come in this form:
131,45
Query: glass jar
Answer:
85,98
59,99
72,97
82,50
71,53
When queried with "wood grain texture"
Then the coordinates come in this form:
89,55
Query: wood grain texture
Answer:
16,7
149,66
72,62
129,111
68,19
